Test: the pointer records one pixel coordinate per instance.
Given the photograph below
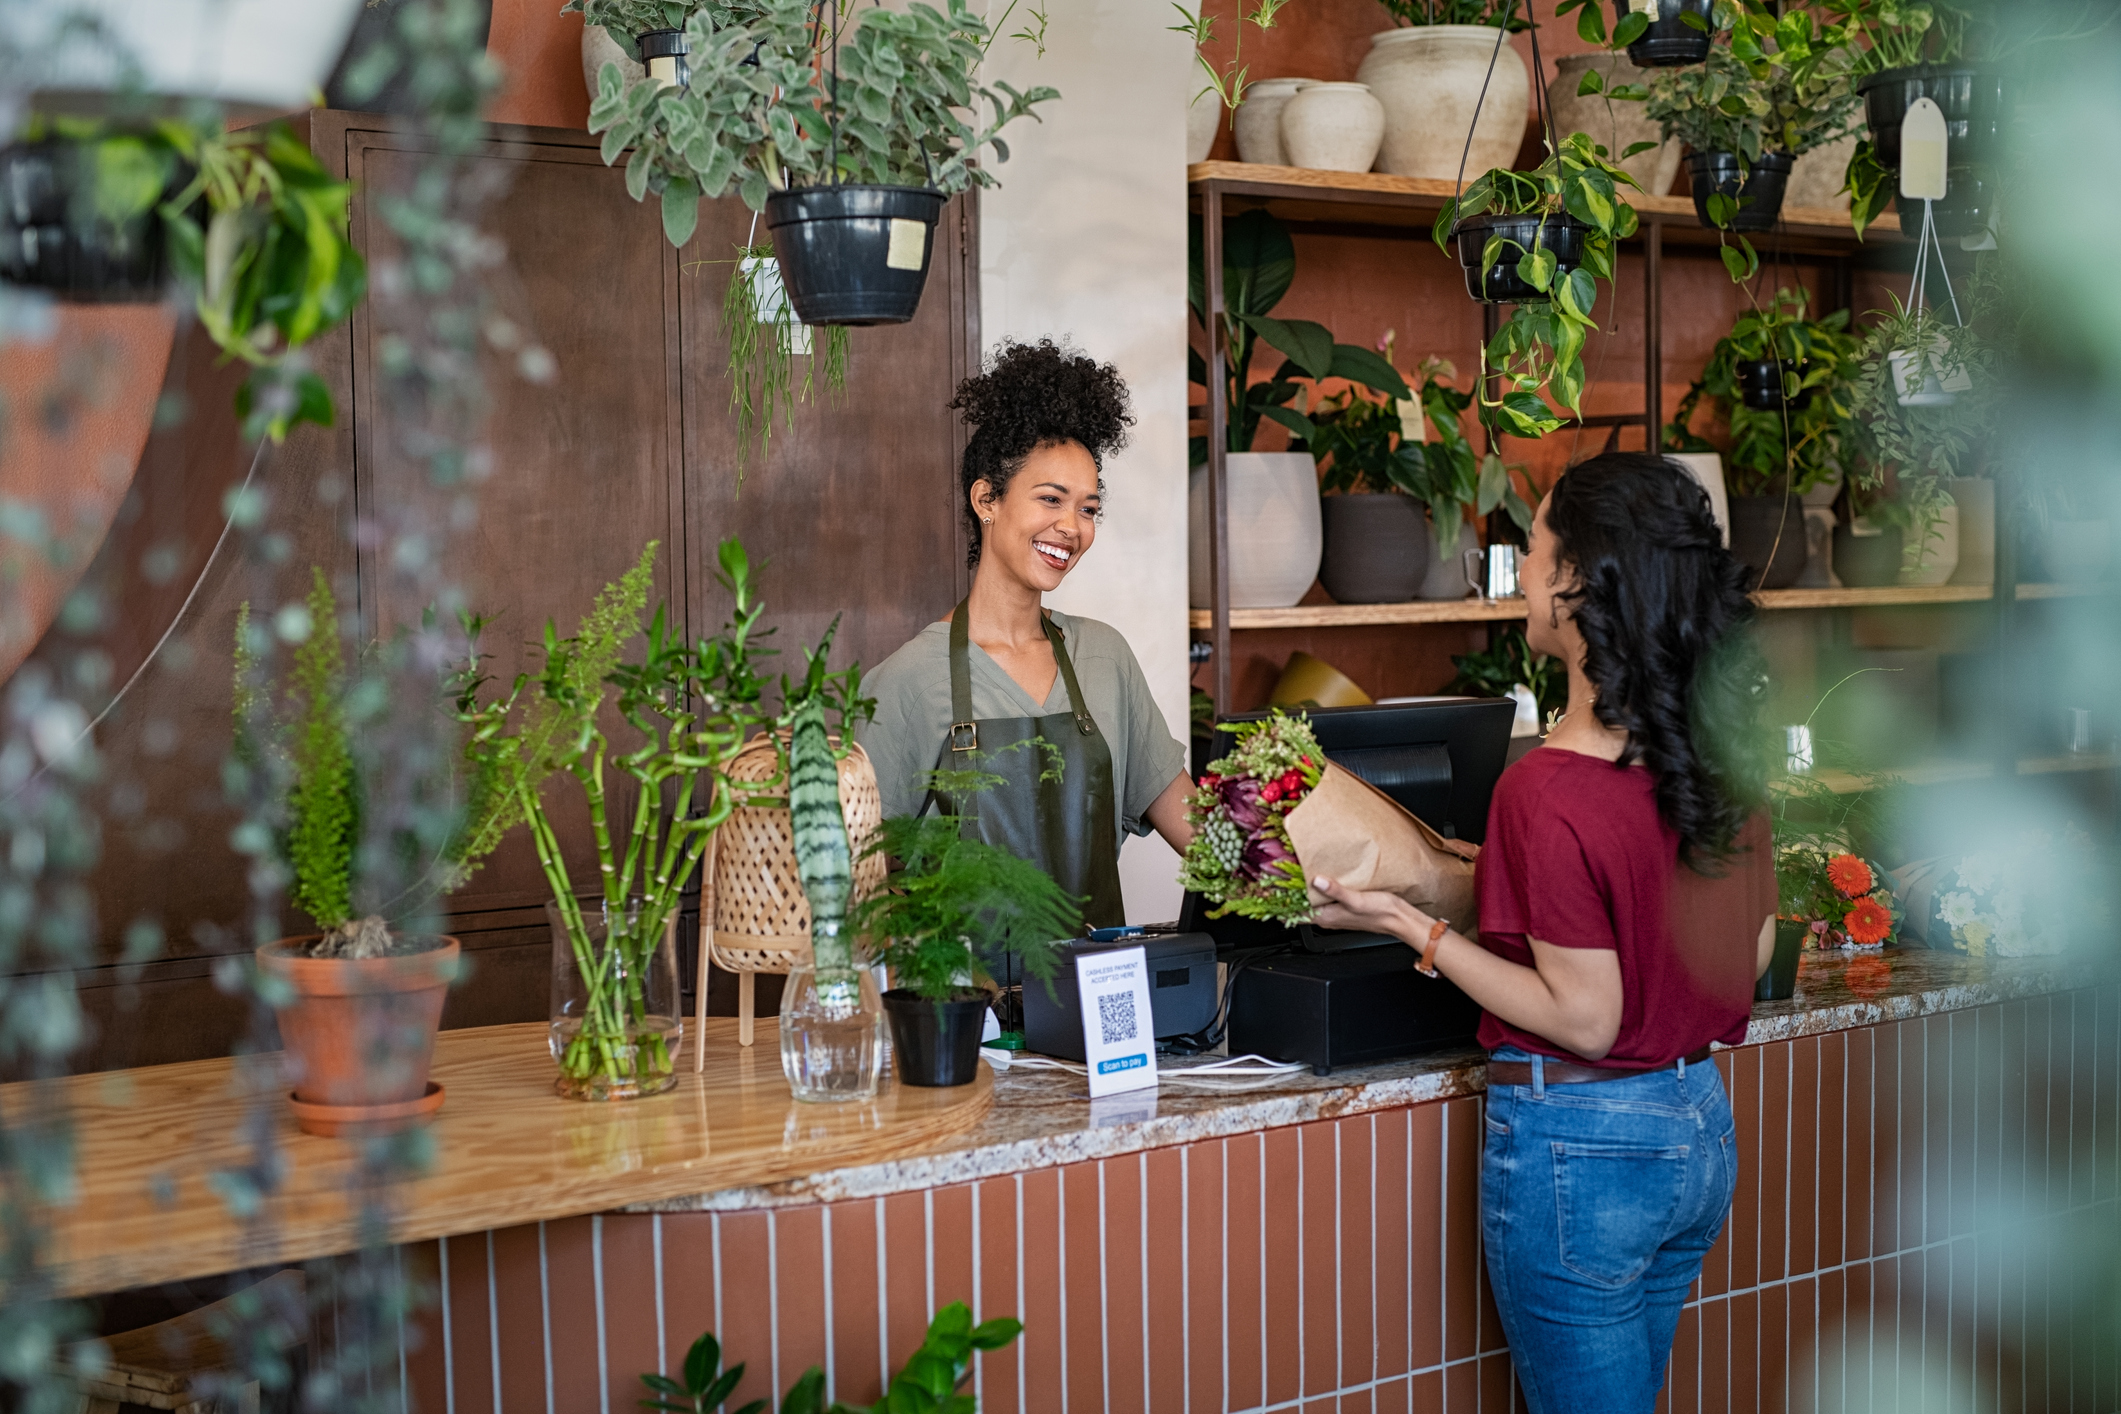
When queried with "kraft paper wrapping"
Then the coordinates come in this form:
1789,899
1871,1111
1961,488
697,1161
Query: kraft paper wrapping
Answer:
1352,832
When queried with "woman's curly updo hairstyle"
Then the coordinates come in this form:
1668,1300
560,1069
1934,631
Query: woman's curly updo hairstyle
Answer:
1666,623
1032,395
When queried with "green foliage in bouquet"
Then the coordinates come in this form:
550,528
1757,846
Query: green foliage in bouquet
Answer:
1240,858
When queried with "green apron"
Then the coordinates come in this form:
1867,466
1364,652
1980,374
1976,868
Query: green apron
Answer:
1061,820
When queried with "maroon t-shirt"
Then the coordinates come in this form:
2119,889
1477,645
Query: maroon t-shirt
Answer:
1578,856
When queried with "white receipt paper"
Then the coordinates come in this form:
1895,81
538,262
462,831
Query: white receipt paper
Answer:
1119,1051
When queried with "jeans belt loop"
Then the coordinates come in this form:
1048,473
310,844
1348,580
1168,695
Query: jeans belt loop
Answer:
1539,1077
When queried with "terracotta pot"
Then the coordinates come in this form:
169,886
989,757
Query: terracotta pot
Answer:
1617,125
1332,127
1429,79
360,1035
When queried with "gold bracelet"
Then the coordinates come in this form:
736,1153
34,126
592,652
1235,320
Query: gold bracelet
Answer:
1427,965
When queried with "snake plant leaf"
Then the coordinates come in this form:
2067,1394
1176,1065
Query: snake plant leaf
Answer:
822,857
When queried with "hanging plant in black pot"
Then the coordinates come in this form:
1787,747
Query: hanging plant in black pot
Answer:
1975,108
946,893
1669,33
79,213
1512,231
850,150
1754,191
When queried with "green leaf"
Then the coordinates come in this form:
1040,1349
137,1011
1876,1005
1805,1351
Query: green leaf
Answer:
1592,81
1295,421
1309,345
1369,368
1630,29
681,210
1635,148
1590,25
1692,19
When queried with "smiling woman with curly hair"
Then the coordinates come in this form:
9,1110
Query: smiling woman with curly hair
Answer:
1054,705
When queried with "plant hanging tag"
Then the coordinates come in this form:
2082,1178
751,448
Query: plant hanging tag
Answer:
909,244
1411,426
769,302
1922,151
1644,7
1117,1047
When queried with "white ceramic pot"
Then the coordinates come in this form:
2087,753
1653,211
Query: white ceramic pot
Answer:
1816,177
1707,468
1276,536
1930,557
1429,79
1933,389
1259,120
1618,125
1202,119
598,49
1446,575
1332,127
1976,499
262,53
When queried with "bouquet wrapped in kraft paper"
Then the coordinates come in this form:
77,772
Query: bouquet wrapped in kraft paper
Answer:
1274,814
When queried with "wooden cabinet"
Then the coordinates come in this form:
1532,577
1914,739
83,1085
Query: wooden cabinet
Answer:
852,511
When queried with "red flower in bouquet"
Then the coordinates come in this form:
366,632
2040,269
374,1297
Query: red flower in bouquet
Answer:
1869,921
1850,876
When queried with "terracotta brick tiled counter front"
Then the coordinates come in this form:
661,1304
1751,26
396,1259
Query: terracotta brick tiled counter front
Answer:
1926,1204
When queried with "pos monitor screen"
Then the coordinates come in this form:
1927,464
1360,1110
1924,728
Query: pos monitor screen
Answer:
1439,758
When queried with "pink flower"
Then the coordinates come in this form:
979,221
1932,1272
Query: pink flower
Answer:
1262,853
1241,800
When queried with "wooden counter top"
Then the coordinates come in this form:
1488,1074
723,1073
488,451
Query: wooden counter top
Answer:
506,1150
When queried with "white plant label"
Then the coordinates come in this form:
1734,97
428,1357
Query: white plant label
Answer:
769,302
1644,7
909,244
1923,149
1119,1048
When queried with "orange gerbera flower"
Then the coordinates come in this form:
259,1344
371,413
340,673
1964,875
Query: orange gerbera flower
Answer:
1849,875
1869,921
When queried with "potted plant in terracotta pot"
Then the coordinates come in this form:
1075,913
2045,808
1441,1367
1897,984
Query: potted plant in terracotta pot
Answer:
1275,531
360,1001
1430,72
952,905
687,710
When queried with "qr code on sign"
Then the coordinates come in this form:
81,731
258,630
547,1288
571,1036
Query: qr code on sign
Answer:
1115,1017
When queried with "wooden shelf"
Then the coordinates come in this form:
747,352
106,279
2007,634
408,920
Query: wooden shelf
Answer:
1937,773
2062,591
1374,198
1462,611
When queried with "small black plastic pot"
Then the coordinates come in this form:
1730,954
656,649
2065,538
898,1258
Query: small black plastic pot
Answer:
1975,104
1760,385
1759,194
671,44
1561,233
51,238
854,254
1866,561
935,1044
1670,42
1376,548
1779,982
1767,537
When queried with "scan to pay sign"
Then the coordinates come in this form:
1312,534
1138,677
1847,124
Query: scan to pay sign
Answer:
1118,1041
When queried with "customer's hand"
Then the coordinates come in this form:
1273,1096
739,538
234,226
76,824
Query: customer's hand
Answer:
1365,910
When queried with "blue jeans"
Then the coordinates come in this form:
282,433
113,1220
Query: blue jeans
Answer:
1598,1203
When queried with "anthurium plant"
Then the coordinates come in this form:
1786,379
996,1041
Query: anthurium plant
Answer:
778,97
1816,360
1540,346
1259,264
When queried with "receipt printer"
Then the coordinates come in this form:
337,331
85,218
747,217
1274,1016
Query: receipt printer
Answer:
1181,990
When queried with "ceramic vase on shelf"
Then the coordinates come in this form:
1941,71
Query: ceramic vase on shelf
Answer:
1768,537
832,1042
1819,535
1429,79
1203,117
1815,182
1707,468
1866,556
1976,499
618,1039
1618,125
598,49
1376,548
1445,577
1332,127
1259,121
1928,555
1275,531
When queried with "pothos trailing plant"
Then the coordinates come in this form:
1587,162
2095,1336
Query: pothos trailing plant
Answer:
1540,346
1816,359
690,709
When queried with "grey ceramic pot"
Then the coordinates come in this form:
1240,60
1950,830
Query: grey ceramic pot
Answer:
1767,536
1377,548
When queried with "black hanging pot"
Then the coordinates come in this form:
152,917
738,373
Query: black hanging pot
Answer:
1973,101
1670,41
1761,384
854,254
1779,982
934,1044
1556,231
53,238
663,54
1767,537
1759,191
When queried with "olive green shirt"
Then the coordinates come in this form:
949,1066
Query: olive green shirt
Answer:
912,691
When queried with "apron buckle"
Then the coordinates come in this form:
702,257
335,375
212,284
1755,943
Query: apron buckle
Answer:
964,736
1085,725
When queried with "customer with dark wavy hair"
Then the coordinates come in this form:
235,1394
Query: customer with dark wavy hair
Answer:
1054,705
1627,901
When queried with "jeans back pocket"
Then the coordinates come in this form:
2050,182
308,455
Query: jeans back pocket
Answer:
1615,1205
